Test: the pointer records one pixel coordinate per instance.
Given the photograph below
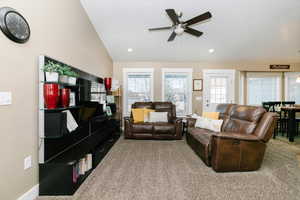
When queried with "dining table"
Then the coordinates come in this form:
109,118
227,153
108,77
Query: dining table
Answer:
291,111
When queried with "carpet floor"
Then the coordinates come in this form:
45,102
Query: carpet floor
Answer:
169,170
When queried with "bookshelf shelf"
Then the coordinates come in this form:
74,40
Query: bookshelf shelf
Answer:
60,83
61,109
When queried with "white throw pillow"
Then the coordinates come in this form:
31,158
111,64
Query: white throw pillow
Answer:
210,124
158,117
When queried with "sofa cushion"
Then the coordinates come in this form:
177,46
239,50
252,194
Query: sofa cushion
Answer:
202,135
142,127
138,114
202,140
210,124
165,107
158,117
243,119
247,113
211,115
224,110
148,105
164,128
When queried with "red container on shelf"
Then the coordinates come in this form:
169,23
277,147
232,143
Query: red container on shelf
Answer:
51,95
107,83
65,97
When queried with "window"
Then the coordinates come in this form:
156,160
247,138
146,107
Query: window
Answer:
177,88
263,87
138,87
292,88
218,92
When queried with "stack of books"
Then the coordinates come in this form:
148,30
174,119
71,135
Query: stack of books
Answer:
82,166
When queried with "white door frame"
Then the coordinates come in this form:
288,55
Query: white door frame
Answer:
227,72
190,83
135,70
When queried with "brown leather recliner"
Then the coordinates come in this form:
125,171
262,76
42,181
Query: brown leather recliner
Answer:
241,144
168,130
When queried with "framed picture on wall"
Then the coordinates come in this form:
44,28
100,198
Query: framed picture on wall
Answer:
197,84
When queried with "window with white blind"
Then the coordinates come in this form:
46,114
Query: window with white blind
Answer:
177,88
138,87
292,88
263,87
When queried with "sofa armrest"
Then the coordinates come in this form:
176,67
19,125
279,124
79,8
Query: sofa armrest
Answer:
127,127
178,127
236,136
129,119
191,122
176,120
236,152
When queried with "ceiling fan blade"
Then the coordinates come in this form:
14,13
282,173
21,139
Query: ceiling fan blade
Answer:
160,28
172,14
199,18
172,37
193,32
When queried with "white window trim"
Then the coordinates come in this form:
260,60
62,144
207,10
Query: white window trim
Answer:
286,87
278,76
242,77
135,70
190,84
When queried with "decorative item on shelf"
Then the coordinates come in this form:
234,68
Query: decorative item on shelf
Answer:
197,85
107,83
108,111
72,77
110,99
115,85
63,71
72,99
51,95
65,97
51,72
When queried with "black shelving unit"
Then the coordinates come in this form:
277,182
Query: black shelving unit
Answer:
60,153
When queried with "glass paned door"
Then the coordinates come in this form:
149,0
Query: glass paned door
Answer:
218,87
218,90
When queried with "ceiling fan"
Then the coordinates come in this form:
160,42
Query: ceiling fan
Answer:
182,26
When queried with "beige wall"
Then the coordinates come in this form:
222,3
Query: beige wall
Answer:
197,73
60,29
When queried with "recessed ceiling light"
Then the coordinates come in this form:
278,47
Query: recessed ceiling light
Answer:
211,50
129,49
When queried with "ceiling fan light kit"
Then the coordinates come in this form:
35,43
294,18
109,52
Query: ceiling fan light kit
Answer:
179,27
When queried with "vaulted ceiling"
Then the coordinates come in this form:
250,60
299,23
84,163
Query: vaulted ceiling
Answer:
239,31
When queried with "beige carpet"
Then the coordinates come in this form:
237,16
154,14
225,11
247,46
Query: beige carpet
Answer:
169,170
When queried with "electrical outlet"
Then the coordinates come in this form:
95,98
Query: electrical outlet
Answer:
27,162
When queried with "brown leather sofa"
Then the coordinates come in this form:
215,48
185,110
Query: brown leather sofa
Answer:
159,130
241,144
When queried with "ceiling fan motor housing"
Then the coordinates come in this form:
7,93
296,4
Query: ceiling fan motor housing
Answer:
179,27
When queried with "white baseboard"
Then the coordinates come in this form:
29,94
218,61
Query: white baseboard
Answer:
30,194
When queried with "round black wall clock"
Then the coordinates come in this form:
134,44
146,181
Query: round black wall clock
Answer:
14,25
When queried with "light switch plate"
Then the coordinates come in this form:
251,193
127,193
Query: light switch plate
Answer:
27,162
5,98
